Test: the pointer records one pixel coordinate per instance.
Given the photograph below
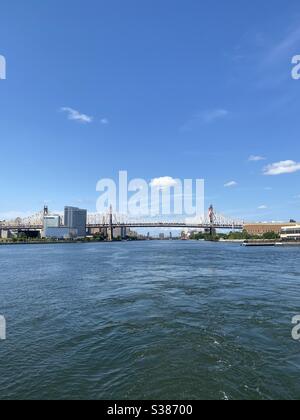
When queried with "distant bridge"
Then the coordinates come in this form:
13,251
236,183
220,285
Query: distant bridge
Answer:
112,221
136,225
170,225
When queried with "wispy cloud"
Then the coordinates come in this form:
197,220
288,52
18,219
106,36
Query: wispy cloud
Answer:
263,207
287,46
104,121
205,117
75,115
283,167
273,70
163,182
230,184
14,214
211,116
256,158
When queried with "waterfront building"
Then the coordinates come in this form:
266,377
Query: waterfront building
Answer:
75,221
50,222
4,234
290,233
132,234
258,229
76,218
184,235
61,233
98,232
120,233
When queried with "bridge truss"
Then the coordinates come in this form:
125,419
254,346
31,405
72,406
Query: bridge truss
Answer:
114,220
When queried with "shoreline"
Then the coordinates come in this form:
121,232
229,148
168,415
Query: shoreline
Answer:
250,244
65,242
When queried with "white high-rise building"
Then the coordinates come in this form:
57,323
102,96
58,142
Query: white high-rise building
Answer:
50,222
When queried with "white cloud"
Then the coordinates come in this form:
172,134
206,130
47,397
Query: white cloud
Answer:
216,114
283,167
263,207
254,158
14,214
230,184
74,115
288,45
104,121
163,182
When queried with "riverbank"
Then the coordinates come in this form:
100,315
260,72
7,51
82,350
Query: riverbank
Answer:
251,243
53,242
45,242
66,241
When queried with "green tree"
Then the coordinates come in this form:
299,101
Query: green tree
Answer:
271,235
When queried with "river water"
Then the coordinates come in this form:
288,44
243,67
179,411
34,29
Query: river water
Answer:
149,320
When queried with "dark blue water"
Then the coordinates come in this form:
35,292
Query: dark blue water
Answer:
149,320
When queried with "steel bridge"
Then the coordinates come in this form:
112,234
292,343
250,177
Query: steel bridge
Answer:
212,221
137,225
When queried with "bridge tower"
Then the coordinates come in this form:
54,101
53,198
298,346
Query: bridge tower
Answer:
211,218
111,229
46,211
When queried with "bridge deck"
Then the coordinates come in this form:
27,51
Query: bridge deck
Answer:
136,226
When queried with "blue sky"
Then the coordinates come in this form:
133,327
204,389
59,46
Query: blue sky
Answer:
185,89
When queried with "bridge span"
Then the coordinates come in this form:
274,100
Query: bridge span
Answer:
175,225
136,225
111,221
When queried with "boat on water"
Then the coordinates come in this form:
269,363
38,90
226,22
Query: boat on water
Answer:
256,244
270,244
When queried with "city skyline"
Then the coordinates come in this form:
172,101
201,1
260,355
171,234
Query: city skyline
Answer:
94,90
